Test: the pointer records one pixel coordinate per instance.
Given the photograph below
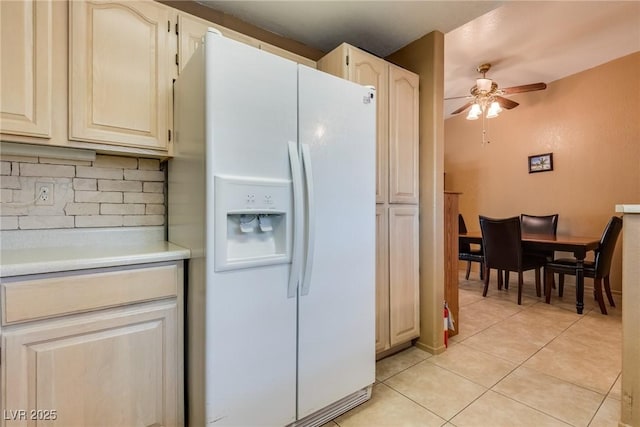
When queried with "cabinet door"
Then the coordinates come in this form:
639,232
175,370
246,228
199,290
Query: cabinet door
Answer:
26,67
190,33
404,301
367,69
382,279
286,54
403,135
191,29
120,79
113,368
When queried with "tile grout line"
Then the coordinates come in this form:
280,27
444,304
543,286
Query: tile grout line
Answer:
521,364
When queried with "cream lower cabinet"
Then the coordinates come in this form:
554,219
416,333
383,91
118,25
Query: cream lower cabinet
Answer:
397,276
382,279
98,348
404,300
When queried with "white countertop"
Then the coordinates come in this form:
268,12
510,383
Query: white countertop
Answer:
76,251
628,208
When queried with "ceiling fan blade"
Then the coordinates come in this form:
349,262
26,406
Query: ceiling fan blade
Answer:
524,88
461,109
506,103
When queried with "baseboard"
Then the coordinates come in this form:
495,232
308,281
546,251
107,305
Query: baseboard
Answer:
430,349
393,350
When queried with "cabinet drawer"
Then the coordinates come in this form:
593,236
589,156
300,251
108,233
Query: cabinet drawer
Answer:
48,297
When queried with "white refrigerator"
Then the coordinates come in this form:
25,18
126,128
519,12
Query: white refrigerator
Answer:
272,187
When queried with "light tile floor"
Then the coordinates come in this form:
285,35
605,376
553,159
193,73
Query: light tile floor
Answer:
529,365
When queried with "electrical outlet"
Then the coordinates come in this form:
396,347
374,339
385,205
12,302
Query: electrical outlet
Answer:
44,193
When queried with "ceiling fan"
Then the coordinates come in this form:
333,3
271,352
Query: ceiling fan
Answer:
487,98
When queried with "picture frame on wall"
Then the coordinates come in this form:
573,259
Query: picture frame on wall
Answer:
541,163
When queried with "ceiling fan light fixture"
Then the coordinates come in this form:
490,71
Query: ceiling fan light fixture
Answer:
494,110
474,112
483,85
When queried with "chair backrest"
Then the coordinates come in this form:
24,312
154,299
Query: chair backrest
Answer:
462,228
501,239
604,254
535,224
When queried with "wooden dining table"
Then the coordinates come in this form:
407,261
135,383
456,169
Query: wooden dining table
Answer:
578,245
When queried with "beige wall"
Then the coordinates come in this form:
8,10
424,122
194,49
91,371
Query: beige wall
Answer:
590,121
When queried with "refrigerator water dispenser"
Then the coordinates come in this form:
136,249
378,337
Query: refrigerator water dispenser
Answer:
253,222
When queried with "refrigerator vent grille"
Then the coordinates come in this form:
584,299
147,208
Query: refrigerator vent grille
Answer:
334,410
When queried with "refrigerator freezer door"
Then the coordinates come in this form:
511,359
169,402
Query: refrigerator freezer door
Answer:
250,330
336,319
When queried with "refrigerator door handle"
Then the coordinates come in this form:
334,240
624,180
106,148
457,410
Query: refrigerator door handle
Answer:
311,218
296,257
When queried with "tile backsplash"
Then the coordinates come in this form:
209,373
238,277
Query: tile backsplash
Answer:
111,191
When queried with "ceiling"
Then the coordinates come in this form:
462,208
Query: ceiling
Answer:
525,41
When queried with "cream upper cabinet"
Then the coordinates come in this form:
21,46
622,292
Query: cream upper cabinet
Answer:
403,135
382,279
286,54
191,30
404,301
26,68
361,67
120,75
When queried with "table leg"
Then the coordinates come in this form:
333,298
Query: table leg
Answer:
579,285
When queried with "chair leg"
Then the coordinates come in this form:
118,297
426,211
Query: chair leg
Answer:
520,288
500,282
466,276
548,275
486,282
506,279
560,284
607,289
597,286
482,271
538,294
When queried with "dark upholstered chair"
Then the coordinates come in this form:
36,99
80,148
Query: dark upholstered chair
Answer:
502,243
597,270
533,224
540,224
465,253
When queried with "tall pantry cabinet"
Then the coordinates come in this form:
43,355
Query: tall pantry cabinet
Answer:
397,275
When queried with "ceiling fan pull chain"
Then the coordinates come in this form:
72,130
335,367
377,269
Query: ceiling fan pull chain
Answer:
484,131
